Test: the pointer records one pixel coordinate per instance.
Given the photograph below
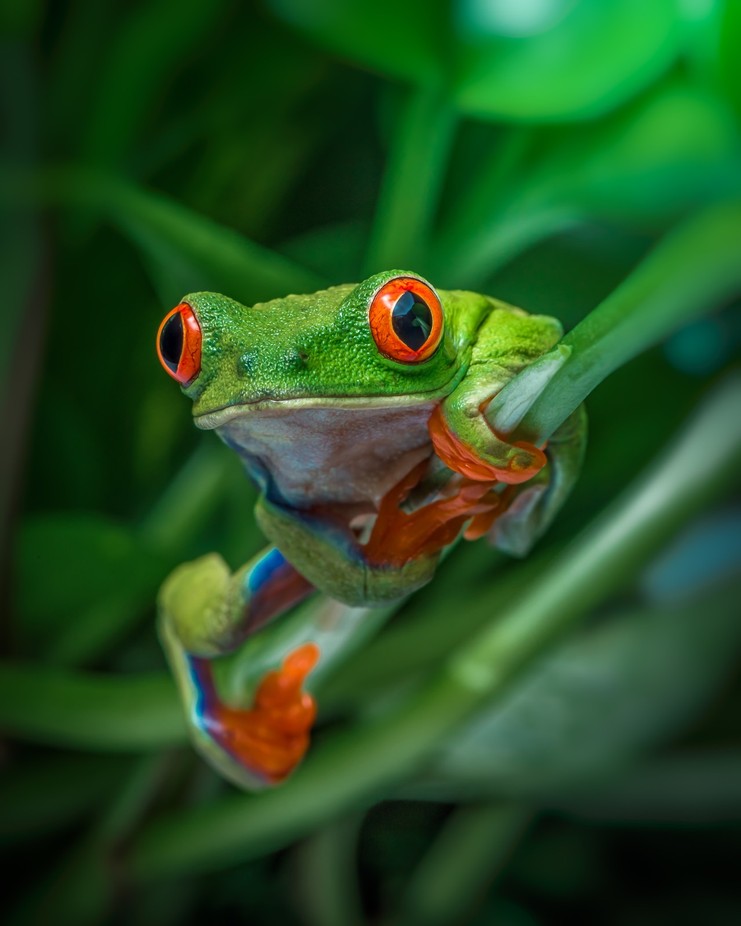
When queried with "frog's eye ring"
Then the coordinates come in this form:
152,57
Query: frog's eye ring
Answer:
406,320
179,344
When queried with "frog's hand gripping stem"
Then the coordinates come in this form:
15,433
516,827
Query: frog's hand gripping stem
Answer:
537,503
512,500
205,612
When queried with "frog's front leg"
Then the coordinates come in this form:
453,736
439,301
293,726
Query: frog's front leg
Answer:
205,612
510,491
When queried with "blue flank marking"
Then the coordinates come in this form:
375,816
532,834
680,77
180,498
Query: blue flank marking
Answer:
264,571
198,668
201,701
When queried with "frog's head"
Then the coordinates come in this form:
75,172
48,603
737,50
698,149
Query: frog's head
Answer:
389,340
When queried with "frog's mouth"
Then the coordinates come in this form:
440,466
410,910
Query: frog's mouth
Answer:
219,417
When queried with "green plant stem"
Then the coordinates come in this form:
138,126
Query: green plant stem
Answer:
412,183
473,259
89,710
364,764
467,856
187,501
690,271
326,872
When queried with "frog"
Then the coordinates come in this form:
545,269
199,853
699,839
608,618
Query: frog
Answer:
362,414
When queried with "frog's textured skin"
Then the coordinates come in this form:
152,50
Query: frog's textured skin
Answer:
368,468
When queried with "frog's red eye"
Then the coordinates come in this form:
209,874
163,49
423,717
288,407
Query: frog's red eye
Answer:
406,320
179,344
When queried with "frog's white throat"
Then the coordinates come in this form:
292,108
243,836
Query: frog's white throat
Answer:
346,456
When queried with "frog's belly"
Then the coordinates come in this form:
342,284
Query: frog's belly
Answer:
314,456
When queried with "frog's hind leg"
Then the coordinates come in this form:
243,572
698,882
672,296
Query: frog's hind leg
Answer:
212,611
260,745
206,612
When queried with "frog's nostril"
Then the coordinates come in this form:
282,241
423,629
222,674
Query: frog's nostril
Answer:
179,344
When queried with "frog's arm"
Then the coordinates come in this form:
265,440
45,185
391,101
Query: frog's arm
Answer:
507,342
536,504
508,490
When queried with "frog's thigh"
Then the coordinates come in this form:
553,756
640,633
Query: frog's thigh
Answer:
210,610
332,560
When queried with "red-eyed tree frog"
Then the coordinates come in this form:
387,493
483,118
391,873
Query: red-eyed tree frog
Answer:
361,414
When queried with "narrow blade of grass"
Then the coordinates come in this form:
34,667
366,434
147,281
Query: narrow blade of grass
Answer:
89,710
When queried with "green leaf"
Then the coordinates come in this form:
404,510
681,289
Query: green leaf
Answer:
186,252
727,59
45,794
469,853
561,60
80,579
673,150
154,39
692,270
593,703
503,60
90,710
397,39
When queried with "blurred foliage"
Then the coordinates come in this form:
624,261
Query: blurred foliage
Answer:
534,149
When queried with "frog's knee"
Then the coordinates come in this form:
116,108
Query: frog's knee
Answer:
198,599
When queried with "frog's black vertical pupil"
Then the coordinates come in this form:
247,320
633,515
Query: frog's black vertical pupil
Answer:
412,320
171,342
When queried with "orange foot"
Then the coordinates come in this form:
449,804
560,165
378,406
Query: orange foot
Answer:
272,736
399,536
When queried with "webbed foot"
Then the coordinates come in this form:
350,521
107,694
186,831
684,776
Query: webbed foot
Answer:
270,738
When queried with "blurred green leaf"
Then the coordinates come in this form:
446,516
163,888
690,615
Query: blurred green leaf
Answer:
560,60
399,39
589,706
412,183
671,151
19,18
326,877
727,58
43,795
186,252
467,856
152,41
79,578
699,786
90,710
78,889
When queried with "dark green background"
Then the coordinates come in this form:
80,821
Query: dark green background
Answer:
535,151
